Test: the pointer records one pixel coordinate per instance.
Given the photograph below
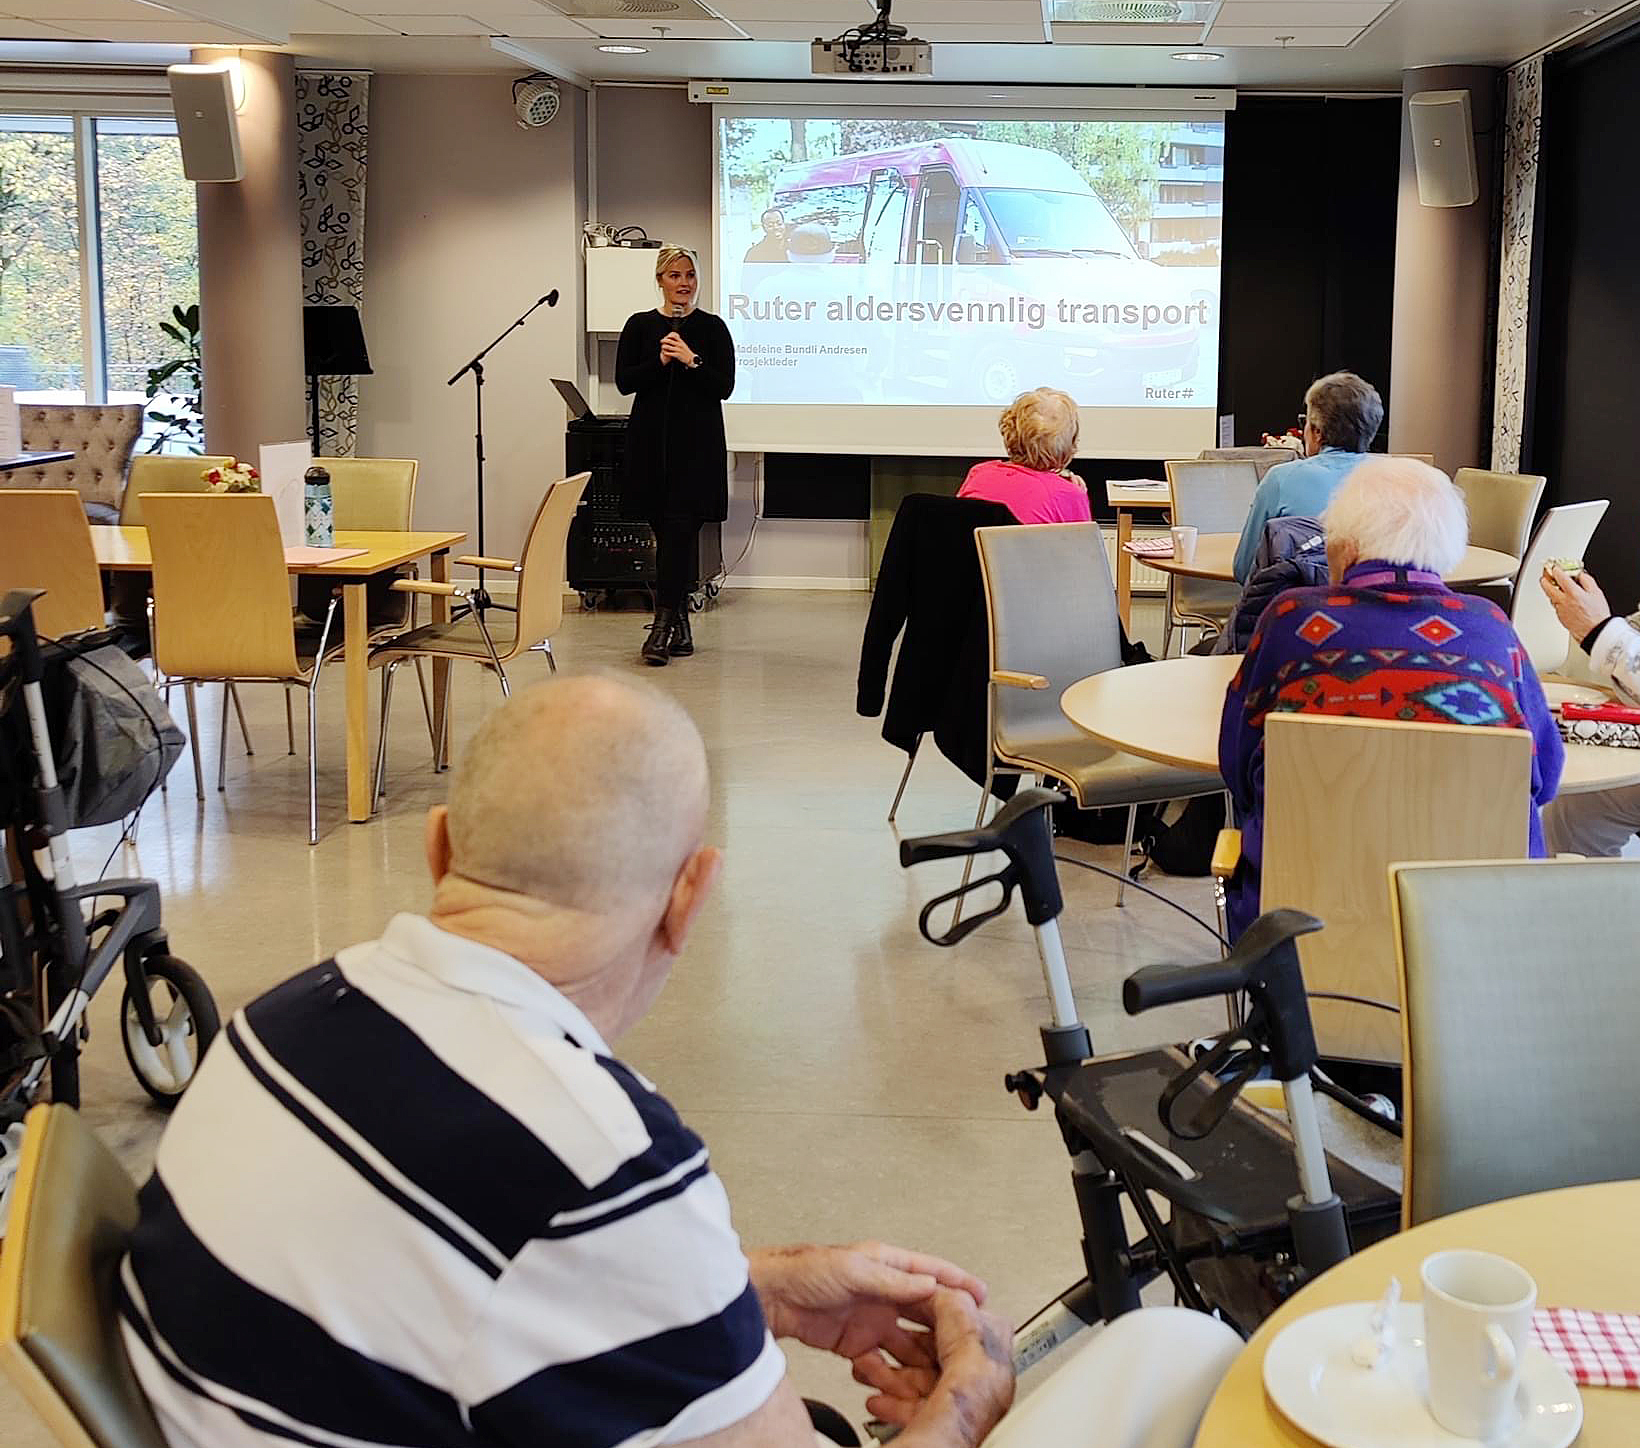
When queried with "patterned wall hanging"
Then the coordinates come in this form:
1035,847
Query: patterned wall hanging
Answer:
332,119
1522,124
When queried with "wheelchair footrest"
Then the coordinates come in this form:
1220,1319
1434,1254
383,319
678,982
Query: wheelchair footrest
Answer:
1239,1178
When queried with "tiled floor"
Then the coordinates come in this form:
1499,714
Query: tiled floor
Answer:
847,1075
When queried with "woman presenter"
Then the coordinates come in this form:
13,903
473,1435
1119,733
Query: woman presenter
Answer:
678,364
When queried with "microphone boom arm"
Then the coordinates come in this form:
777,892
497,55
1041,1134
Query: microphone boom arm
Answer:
550,300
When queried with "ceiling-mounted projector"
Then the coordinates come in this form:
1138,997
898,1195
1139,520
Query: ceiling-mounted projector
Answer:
881,48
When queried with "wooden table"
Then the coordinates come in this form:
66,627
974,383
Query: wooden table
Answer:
125,550
1215,556
1126,502
35,460
1574,1244
1169,711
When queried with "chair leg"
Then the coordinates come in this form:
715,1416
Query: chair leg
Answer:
979,818
506,688
193,740
546,647
426,702
381,740
1127,854
313,760
239,709
222,744
910,759
290,725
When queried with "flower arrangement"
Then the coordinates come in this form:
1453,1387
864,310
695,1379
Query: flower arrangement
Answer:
1291,439
235,477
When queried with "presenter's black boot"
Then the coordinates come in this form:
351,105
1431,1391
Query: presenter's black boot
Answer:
683,639
655,649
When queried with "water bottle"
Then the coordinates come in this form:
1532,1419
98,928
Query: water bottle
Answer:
319,525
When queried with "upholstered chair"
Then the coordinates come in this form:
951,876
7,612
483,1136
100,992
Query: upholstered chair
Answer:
101,435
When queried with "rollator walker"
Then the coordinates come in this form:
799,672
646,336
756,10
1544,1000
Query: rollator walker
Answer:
1255,1206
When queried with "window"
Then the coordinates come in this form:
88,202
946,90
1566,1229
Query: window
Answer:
98,241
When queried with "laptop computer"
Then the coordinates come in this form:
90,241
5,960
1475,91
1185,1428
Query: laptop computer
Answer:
579,408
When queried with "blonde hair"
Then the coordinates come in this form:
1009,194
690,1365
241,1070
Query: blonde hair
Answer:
670,254
1040,429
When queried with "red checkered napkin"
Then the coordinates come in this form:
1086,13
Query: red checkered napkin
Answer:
1599,1349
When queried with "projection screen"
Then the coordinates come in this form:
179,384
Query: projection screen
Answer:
894,276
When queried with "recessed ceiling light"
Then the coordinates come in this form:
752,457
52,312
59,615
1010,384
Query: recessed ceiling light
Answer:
1198,55
624,49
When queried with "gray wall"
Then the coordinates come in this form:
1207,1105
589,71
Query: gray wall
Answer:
469,219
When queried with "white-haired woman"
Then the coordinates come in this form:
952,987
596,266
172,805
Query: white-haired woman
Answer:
1385,639
678,364
1039,430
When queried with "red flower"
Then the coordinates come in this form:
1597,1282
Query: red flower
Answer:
214,476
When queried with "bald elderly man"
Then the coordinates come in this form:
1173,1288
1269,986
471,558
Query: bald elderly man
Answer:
412,1197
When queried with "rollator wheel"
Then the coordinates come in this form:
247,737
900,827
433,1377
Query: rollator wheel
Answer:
187,1019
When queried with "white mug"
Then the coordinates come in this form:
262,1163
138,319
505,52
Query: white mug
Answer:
1477,1320
1184,543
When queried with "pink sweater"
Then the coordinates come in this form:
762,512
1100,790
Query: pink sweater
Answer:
1031,496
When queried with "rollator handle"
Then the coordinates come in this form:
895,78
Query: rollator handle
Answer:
1264,963
1020,829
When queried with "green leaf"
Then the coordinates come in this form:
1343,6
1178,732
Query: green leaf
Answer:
172,332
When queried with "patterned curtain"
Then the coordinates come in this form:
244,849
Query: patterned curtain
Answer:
332,111
1520,172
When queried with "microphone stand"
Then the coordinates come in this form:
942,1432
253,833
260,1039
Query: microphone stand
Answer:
481,599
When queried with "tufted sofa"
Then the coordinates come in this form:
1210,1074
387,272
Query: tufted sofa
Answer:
102,436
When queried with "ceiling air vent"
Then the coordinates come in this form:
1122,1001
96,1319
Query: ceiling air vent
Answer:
632,9
1130,22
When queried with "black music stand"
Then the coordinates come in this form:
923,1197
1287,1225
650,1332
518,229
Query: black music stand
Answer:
332,346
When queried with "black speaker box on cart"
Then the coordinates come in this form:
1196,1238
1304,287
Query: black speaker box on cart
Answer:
607,552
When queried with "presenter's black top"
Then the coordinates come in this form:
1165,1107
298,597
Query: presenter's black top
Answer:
677,464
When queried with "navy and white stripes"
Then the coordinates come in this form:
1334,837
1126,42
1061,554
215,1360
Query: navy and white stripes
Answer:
412,1200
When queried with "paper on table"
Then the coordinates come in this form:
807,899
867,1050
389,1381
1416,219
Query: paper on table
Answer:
11,427
1139,485
282,465
321,555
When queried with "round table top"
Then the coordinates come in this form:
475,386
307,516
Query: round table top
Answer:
1564,1239
1169,711
1215,552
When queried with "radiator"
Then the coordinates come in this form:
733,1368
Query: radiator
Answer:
1145,578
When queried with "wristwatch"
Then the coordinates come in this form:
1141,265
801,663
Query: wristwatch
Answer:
692,365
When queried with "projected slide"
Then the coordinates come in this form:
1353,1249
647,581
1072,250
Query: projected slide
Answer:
902,262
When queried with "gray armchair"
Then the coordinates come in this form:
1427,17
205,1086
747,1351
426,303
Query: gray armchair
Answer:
101,435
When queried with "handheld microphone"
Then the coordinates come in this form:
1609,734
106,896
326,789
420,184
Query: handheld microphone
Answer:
677,310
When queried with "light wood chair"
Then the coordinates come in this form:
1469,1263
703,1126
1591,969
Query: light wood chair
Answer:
1520,1018
1564,532
222,609
73,1210
45,542
540,602
1051,609
1501,507
1212,497
163,473
1344,799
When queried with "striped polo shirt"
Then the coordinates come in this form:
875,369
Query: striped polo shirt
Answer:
412,1199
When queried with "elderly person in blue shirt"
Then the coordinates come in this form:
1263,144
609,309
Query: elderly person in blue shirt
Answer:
1342,415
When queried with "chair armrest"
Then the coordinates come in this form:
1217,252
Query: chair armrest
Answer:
1226,854
426,585
1016,680
474,560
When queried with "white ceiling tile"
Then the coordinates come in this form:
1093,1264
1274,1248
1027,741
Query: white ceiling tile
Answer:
677,29
58,11
159,31
1300,36
313,17
433,24
509,17
1287,13
942,33
14,28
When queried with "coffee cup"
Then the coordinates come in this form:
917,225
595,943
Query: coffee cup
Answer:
1477,1323
1184,544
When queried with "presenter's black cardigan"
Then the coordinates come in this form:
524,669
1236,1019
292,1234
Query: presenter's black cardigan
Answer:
677,464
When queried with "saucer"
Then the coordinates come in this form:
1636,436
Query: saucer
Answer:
1557,693
1314,1380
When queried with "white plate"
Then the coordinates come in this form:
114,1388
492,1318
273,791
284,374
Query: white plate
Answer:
1557,694
1314,1380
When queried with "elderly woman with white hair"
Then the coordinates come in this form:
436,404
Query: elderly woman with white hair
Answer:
1386,639
1040,431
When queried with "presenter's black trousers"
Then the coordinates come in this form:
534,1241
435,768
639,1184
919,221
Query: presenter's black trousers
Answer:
677,559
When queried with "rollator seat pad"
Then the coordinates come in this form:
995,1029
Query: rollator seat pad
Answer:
1247,1171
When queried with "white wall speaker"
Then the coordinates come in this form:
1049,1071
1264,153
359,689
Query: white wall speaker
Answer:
207,125
1443,147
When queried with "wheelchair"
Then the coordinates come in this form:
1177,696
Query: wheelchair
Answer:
1252,1206
57,946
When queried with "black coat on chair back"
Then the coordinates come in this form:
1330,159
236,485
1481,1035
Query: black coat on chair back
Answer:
929,589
